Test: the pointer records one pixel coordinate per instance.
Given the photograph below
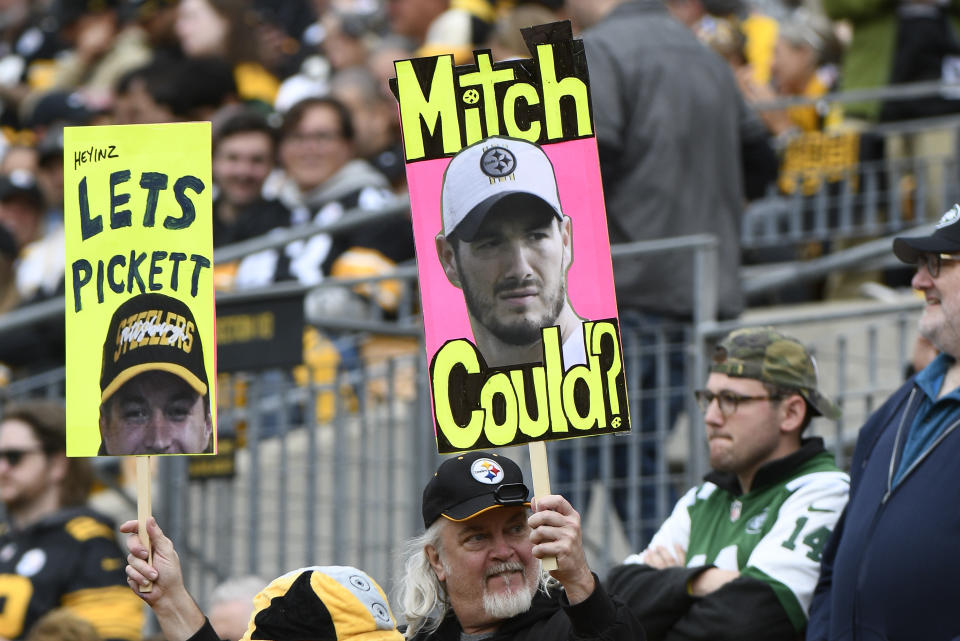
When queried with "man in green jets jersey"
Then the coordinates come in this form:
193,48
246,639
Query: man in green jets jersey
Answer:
739,556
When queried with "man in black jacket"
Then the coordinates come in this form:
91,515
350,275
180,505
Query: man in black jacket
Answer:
478,563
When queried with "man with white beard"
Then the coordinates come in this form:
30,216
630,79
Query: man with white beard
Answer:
475,572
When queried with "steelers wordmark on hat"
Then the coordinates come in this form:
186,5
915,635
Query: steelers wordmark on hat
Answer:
146,328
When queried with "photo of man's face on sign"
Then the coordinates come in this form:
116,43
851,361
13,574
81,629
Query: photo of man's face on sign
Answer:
519,311
508,246
154,389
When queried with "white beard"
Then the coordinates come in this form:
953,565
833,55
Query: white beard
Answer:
510,603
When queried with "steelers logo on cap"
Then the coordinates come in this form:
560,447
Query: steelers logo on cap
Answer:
950,217
498,162
486,471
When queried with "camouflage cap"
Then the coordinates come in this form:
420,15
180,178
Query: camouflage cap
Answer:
767,355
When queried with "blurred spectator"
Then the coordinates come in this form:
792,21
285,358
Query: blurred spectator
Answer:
342,38
143,95
319,159
49,152
231,604
244,151
21,207
175,90
19,156
759,30
804,64
322,179
28,45
727,39
926,48
381,60
42,110
443,26
156,20
345,43
645,143
887,33
8,286
377,137
412,18
281,34
311,81
506,41
100,50
62,625
655,127
40,270
57,551
222,28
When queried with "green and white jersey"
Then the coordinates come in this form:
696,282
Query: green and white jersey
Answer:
774,533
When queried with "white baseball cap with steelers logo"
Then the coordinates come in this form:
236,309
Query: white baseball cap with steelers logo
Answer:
489,173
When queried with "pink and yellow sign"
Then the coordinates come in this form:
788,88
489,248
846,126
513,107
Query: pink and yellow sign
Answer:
519,309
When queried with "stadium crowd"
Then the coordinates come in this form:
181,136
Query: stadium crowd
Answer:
305,127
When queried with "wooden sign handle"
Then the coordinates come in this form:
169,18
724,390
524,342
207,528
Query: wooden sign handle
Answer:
541,485
143,510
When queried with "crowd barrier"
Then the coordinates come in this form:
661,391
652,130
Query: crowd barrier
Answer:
855,180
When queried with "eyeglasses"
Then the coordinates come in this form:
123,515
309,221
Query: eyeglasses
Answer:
13,457
933,262
303,137
727,400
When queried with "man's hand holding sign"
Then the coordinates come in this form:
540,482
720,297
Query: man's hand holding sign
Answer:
139,296
502,170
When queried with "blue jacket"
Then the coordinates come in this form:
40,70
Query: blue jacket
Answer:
891,570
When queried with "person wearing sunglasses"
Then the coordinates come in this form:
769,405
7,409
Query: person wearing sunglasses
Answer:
900,536
738,557
54,551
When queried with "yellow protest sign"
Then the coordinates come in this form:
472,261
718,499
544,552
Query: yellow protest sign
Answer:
139,301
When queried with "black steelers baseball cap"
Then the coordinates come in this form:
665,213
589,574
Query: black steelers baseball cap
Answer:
468,484
945,238
152,332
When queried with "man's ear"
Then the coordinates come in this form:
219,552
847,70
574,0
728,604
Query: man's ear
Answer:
793,409
208,430
433,556
448,260
566,236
